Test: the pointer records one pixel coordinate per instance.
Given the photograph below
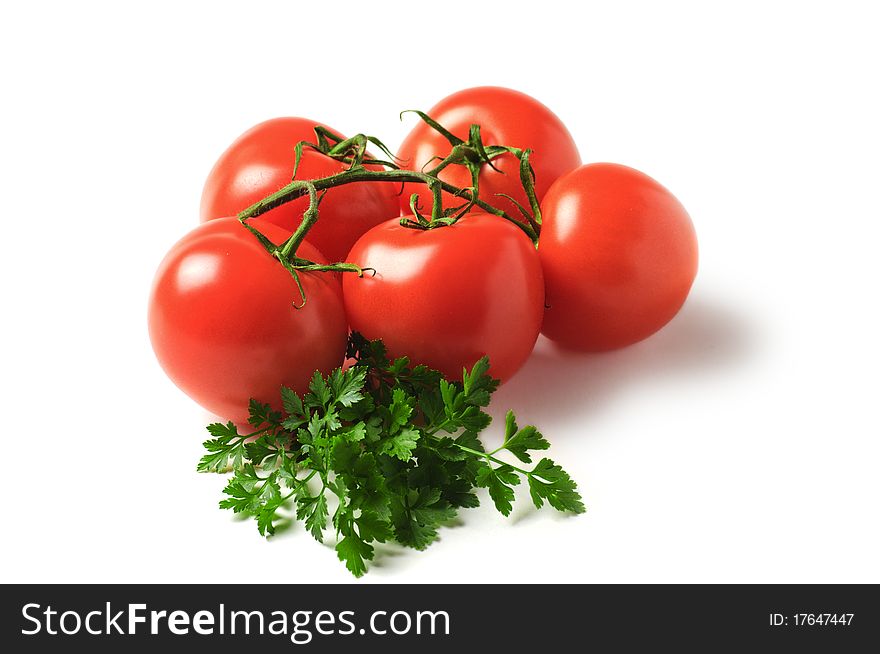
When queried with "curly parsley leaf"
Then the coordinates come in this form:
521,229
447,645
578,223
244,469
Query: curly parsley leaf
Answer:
417,516
354,552
550,482
347,386
395,446
499,482
519,441
227,445
477,385
372,527
262,414
313,511
401,445
248,492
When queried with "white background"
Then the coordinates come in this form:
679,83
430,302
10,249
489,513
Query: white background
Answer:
740,444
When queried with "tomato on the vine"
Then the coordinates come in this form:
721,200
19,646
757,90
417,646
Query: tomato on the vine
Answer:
619,255
223,323
261,161
505,117
447,296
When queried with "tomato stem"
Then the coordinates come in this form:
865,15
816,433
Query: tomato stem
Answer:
310,217
297,189
472,154
353,151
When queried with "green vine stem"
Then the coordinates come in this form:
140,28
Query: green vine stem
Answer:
472,154
297,189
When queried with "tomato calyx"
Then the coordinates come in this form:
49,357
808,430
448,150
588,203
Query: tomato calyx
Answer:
351,151
473,154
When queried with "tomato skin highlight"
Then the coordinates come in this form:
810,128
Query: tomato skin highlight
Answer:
619,255
223,325
261,161
506,117
447,296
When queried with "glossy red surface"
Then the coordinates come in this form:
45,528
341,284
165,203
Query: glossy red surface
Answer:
223,325
619,254
261,161
506,117
447,296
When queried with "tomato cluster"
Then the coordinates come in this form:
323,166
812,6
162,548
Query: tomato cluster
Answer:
614,261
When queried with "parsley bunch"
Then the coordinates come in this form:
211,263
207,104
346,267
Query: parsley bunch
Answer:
391,449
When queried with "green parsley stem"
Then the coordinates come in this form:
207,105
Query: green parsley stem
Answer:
488,456
244,437
431,432
300,482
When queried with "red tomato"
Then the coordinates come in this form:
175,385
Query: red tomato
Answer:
619,254
222,320
447,296
261,161
506,117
